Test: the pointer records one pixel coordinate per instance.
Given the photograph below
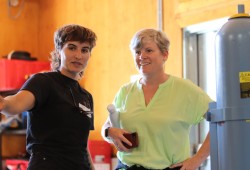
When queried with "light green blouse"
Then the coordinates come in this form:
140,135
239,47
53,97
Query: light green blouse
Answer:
163,125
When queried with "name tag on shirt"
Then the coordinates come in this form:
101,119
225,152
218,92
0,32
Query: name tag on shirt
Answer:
86,110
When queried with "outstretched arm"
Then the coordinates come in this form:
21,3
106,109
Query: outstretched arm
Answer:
16,104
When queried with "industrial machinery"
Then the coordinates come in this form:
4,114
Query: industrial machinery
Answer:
229,116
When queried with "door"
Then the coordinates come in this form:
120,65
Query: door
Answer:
199,67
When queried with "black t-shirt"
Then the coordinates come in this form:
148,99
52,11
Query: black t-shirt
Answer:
62,117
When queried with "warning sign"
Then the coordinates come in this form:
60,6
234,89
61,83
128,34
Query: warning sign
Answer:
244,77
244,84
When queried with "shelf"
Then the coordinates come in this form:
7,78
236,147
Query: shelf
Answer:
15,132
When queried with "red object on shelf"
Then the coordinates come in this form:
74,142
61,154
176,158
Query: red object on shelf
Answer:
13,73
100,151
15,164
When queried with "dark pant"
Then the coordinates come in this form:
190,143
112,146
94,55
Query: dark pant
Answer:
137,167
42,161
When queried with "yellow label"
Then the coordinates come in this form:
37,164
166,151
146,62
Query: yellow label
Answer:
244,77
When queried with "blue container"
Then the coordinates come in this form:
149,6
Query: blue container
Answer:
229,116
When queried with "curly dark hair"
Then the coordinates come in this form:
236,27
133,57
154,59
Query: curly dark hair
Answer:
71,32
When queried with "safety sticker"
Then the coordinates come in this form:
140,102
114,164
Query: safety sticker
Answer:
244,84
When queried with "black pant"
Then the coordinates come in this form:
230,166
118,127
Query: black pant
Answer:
137,167
43,161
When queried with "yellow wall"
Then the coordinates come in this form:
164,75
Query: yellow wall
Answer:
190,12
114,21
20,33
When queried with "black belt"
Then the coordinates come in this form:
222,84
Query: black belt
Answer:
137,167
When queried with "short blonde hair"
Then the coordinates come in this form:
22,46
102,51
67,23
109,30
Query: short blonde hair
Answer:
159,37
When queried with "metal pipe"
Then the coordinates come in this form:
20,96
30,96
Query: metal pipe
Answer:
159,14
